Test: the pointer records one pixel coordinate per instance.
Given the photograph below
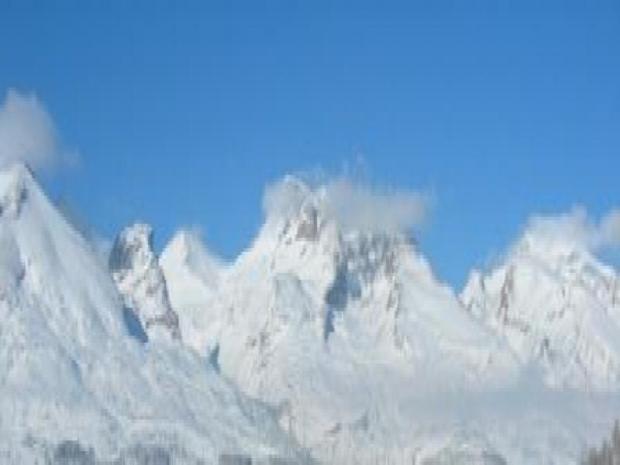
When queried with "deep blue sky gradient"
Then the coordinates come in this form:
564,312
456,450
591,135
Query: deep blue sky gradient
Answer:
183,111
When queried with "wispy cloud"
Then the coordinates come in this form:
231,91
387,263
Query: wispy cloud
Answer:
354,205
28,133
361,207
609,229
579,228
285,198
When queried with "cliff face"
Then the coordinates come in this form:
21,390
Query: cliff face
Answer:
140,280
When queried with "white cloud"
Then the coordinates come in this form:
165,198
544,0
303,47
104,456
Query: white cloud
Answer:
361,207
353,205
284,198
579,228
27,133
610,228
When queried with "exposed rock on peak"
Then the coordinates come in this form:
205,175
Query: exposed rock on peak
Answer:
556,305
14,188
323,301
141,282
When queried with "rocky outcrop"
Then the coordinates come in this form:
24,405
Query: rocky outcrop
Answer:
140,280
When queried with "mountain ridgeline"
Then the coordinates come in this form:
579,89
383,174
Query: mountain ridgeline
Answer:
326,341
75,386
368,356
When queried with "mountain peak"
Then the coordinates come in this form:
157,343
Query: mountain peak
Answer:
569,237
549,249
555,303
140,280
185,245
285,198
134,243
15,181
186,254
19,169
76,386
192,276
346,205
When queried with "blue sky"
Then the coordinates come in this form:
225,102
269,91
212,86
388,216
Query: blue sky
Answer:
182,114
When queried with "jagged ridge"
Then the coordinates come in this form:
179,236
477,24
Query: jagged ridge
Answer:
70,370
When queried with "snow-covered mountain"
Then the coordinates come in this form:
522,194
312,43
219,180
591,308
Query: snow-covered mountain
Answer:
197,275
333,321
557,306
372,291
75,387
342,325
140,280
339,327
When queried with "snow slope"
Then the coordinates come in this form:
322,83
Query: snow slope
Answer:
197,275
370,359
364,356
558,307
344,330
74,382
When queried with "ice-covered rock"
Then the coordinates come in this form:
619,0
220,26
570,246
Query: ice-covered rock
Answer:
140,280
556,305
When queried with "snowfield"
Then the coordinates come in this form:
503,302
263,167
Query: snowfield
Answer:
328,340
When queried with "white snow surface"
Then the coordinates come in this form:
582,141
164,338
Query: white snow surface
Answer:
197,275
343,335
69,371
368,357
558,307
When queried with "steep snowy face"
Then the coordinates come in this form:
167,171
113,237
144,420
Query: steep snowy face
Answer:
367,291
337,325
141,282
72,379
192,275
37,244
338,268
557,306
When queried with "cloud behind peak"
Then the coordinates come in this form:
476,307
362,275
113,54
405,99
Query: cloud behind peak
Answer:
353,205
577,228
27,133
